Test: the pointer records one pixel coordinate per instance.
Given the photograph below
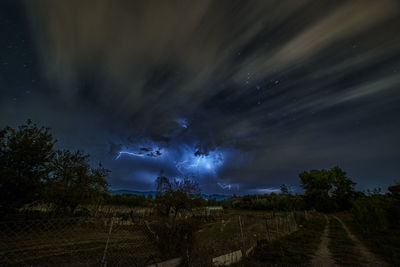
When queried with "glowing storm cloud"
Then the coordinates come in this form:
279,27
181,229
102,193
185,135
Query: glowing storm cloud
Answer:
200,164
186,159
182,122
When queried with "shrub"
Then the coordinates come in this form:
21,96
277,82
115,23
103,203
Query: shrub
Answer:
373,212
175,237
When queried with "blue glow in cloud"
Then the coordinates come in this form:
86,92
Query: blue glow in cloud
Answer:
186,159
182,122
192,163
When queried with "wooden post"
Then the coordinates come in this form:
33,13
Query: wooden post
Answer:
241,231
108,240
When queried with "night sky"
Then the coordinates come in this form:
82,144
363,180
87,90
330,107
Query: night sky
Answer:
239,95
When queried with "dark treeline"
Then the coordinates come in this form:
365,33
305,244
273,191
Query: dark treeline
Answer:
33,171
129,200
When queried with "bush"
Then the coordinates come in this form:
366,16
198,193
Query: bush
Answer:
175,236
375,212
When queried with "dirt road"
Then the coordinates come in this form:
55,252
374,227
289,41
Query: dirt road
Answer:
323,256
367,257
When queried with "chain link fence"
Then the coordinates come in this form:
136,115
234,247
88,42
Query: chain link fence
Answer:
77,241
240,231
117,241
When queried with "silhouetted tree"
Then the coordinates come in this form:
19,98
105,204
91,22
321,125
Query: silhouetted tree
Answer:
326,190
74,182
176,235
317,185
284,189
176,195
395,191
343,188
25,157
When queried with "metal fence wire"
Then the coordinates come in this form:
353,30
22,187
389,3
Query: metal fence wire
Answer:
77,241
220,241
115,241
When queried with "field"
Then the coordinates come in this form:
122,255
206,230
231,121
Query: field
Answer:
282,238
132,241
81,241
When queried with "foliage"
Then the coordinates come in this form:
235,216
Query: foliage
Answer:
385,243
327,190
32,171
175,237
73,181
271,202
176,195
284,189
295,249
395,191
375,218
25,162
376,211
212,202
130,200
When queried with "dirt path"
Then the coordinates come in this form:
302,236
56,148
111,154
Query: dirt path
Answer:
368,258
323,256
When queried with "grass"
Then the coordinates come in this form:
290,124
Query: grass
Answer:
77,242
294,249
384,244
341,246
219,238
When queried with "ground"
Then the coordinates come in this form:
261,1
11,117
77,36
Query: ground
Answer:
299,238
323,255
325,240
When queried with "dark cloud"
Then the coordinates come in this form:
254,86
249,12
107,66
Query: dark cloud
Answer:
268,88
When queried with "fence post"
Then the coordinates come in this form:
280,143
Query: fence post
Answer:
108,240
241,231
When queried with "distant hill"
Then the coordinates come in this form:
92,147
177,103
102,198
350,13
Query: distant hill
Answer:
153,194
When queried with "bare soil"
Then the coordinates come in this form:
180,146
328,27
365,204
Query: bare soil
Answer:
323,256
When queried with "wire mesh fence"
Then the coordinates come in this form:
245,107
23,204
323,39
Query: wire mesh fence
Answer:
240,231
76,241
117,241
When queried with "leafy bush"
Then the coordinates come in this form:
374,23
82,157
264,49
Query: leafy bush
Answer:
376,212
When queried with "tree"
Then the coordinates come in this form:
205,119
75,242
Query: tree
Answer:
343,188
176,235
176,195
284,189
317,185
326,190
74,182
25,157
395,191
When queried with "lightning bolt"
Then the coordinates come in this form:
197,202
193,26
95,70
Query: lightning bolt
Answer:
129,153
228,186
